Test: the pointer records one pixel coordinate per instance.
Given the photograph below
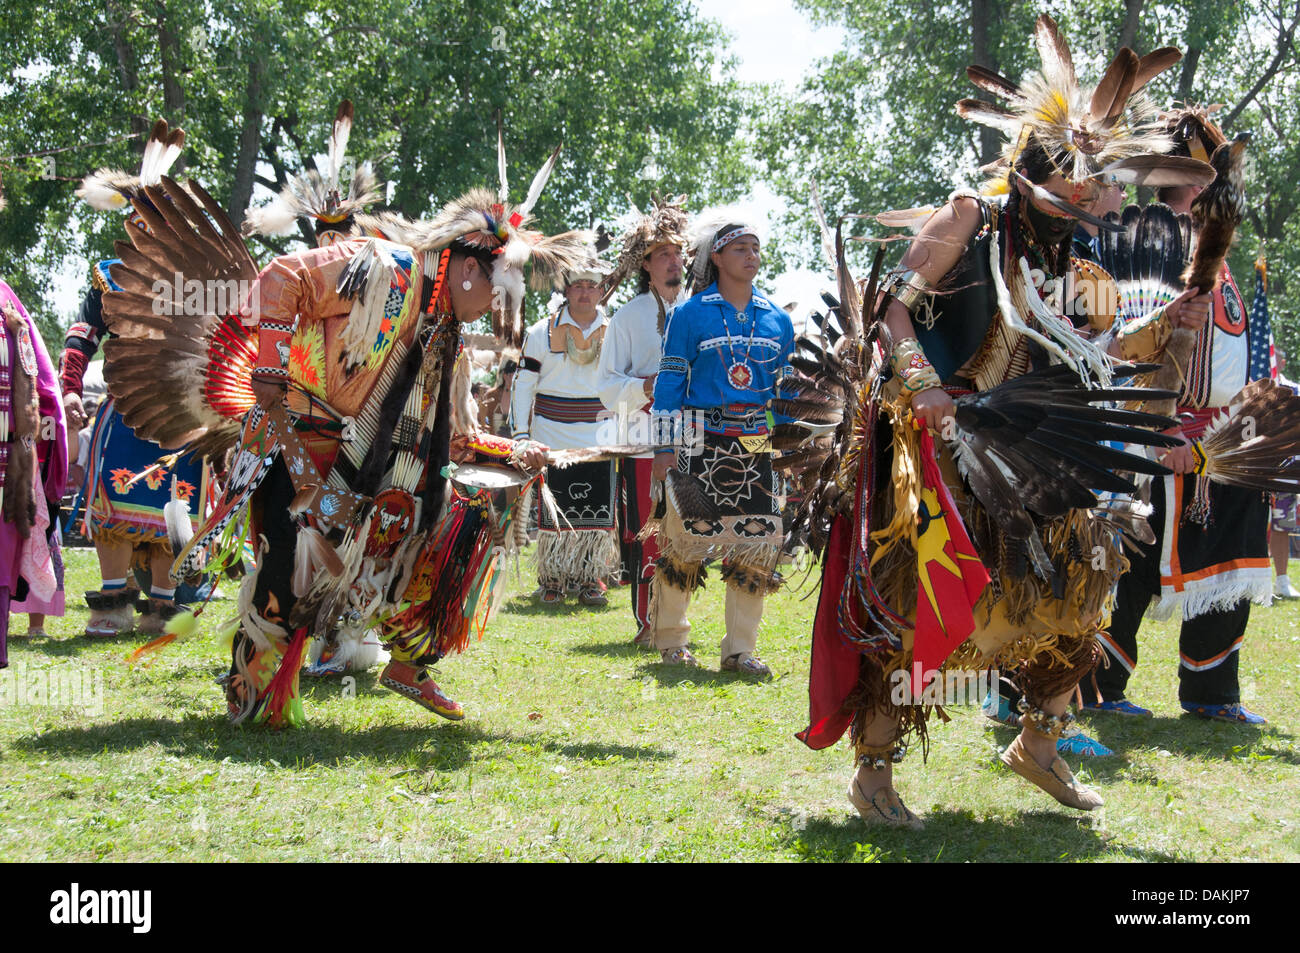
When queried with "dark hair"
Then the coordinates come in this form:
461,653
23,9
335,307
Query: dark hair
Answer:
344,226
1037,166
1182,135
643,279
710,269
463,249
1169,194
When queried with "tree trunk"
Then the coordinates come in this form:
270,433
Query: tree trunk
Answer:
1132,17
1190,61
250,139
981,14
169,55
117,27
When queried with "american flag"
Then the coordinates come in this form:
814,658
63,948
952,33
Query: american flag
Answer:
1263,362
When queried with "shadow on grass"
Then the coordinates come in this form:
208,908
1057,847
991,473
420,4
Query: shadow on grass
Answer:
75,646
672,675
528,606
958,837
622,649
1194,737
435,745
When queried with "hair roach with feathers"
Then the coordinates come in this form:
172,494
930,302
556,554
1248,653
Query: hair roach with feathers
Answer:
321,197
665,224
1112,134
112,190
481,223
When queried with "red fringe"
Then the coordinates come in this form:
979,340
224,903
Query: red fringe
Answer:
279,692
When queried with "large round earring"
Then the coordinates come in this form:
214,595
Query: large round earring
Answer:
467,285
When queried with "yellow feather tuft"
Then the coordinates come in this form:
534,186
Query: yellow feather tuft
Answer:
183,625
226,635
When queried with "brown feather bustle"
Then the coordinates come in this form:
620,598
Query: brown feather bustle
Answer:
160,362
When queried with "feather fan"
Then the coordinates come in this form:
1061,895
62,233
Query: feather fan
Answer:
1256,444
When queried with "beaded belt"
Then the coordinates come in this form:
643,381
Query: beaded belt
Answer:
732,420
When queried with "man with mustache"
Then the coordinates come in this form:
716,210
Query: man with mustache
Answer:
653,248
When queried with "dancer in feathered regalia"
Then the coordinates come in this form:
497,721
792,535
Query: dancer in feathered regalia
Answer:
555,401
653,250
1209,558
361,396
332,205
992,340
128,490
33,469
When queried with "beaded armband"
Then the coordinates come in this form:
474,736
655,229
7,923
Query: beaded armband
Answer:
913,368
671,364
908,288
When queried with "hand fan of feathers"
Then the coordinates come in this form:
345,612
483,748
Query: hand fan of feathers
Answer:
180,364
1257,443
1036,444
1146,257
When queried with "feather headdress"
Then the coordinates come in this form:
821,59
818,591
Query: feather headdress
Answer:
111,190
665,224
1193,131
490,222
591,268
313,195
1113,132
1219,209
704,233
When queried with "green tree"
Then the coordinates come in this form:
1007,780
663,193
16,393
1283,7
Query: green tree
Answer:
875,125
631,90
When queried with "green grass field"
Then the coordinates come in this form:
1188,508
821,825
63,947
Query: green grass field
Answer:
579,746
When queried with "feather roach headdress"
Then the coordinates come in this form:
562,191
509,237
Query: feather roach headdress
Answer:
320,197
1193,132
665,224
1113,133
709,233
590,268
480,220
111,190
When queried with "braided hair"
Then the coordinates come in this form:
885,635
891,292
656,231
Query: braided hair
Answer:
1037,166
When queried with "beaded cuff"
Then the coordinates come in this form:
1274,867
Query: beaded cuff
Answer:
880,757
913,368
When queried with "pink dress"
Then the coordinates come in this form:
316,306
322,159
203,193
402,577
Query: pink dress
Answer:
37,559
